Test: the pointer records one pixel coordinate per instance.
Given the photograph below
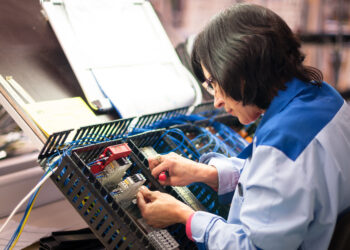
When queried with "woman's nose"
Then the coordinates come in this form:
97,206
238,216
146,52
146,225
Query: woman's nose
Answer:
218,102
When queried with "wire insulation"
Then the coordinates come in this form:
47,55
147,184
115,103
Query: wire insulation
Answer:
26,198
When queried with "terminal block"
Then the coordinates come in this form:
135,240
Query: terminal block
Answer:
110,154
113,173
125,194
160,238
148,152
127,189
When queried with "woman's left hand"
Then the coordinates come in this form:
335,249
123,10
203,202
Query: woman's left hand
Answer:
161,210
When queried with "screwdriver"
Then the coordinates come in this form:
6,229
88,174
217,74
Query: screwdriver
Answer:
163,175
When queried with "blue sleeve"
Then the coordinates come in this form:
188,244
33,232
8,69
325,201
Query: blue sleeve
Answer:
228,173
273,211
210,231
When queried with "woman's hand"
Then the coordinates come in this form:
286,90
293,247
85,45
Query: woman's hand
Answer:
161,210
182,171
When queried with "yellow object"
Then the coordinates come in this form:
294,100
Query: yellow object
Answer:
59,115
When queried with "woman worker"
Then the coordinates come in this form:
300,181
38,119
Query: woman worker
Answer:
292,182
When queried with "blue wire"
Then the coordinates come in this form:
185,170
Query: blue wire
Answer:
14,236
215,144
180,144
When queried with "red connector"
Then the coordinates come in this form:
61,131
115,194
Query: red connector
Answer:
110,154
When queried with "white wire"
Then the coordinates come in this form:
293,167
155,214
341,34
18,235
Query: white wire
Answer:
27,197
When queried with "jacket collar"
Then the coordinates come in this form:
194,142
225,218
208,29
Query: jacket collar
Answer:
279,102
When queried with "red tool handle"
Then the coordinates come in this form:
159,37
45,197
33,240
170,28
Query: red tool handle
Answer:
163,175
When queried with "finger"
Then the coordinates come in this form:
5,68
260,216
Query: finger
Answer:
147,194
164,166
154,161
141,201
143,188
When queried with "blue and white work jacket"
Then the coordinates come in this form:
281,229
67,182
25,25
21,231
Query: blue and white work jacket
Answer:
291,183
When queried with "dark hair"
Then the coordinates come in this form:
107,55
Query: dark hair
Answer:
251,52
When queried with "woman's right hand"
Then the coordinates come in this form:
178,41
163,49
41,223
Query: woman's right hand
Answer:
182,171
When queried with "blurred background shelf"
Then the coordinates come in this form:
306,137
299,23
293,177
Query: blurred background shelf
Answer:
323,26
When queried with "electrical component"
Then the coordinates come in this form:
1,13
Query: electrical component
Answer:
110,154
190,199
127,189
125,194
160,238
148,152
114,172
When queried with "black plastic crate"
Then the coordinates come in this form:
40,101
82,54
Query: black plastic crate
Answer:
90,153
177,230
146,121
108,130
114,226
85,136
97,207
109,222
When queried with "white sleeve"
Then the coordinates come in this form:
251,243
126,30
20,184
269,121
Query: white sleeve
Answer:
273,212
228,173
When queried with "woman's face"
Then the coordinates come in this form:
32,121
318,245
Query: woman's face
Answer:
246,114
